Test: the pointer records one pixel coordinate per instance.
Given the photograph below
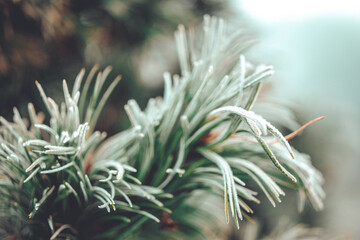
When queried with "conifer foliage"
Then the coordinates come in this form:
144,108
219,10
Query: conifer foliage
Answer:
62,179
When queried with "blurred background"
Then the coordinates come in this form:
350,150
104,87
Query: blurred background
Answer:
314,47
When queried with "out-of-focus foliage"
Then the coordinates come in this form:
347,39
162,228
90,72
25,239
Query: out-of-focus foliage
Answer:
46,40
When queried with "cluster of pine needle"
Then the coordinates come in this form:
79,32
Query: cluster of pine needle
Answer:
62,179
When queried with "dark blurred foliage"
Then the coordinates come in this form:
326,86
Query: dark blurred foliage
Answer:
48,40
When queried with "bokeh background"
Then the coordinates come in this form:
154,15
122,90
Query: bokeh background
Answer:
314,47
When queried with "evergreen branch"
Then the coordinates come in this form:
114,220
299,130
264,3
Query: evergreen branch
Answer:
63,170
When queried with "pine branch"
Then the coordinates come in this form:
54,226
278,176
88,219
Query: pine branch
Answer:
62,177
